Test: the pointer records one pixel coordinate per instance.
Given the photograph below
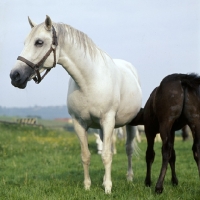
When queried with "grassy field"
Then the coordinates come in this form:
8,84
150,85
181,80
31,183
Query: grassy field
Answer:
39,163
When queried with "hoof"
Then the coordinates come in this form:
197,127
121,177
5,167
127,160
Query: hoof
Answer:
129,177
158,190
174,181
108,186
107,190
147,183
87,187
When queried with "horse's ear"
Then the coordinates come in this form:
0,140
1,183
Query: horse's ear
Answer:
31,23
48,23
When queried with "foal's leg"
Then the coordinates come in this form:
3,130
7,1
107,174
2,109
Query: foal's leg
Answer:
172,161
108,123
196,145
130,131
150,155
85,153
167,145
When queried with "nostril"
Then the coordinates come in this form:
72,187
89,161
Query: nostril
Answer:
15,75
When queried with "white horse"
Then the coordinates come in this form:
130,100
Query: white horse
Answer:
103,93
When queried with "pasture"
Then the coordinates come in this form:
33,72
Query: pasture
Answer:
39,163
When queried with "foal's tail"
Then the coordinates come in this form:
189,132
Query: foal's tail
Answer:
190,80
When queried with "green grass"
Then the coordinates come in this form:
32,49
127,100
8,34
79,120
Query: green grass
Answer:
44,164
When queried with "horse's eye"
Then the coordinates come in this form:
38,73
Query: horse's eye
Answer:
39,43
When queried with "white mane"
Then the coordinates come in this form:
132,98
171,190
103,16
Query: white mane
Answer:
79,38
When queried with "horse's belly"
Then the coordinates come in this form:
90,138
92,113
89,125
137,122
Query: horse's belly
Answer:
93,104
78,107
88,110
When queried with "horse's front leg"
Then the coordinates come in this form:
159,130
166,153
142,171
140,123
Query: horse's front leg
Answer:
85,153
107,128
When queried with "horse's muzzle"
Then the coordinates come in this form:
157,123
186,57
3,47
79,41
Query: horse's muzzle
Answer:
18,80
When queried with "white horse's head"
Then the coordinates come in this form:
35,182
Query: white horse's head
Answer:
40,52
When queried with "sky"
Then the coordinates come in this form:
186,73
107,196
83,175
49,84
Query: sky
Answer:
158,37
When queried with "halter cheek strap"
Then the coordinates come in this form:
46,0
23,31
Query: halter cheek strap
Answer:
35,67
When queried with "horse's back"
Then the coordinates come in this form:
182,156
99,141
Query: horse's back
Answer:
129,79
122,64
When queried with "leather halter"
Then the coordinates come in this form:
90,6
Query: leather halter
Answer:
35,67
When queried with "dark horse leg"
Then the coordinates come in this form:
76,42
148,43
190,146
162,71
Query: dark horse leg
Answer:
192,113
185,134
172,161
196,144
150,154
167,146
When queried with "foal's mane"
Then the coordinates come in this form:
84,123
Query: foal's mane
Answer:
77,37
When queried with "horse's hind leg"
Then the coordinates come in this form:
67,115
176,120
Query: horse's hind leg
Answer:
196,145
130,146
85,153
150,154
167,145
172,161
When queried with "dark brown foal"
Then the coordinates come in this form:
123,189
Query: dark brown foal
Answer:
172,105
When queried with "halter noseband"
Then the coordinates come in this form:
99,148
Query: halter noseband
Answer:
35,67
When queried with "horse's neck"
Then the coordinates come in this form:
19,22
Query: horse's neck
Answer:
80,64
